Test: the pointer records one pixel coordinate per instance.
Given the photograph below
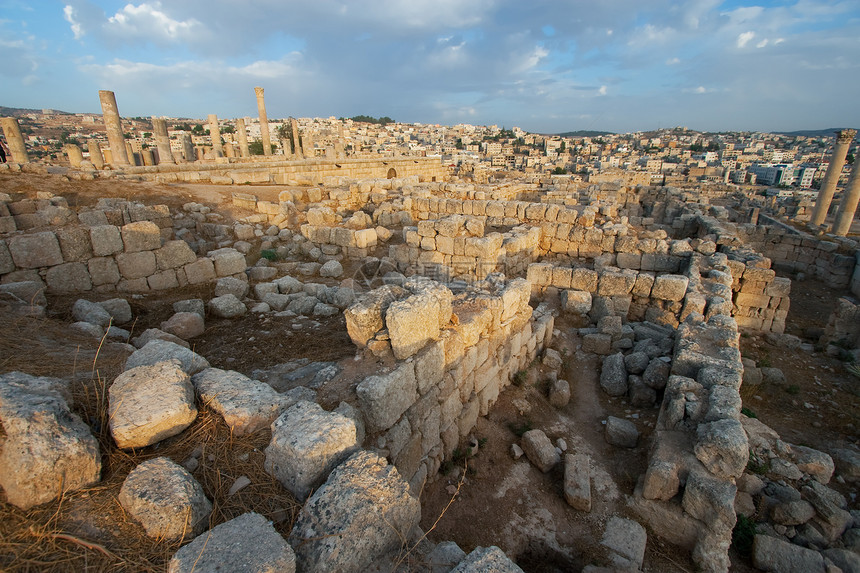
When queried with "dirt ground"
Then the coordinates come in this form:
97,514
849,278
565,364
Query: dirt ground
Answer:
500,501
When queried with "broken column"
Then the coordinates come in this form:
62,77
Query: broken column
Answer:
15,140
162,141
243,138
264,122
215,136
96,157
844,137
73,152
188,148
297,142
113,124
848,206
308,146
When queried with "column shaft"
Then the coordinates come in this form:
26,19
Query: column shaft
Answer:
264,122
848,206
243,138
215,136
113,124
15,140
162,141
844,137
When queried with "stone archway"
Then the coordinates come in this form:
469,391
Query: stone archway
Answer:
392,173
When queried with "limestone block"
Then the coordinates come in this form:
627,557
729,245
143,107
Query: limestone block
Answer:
173,255
103,271
540,451
362,511
621,433
577,481
430,366
185,325
487,559
598,343
723,447
91,312
68,278
412,323
75,243
576,301
626,541
383,399
163,280
231,285
710,500
227,306
669,287
792,512
165,499
584,280
616,283
365,238
140,236
248,543
613,376
35,250
199,272
118,308
364,318
47,450
158,350
228,262
7,265
307,443
813,462
775,555
559,393
150,403
106,240
136,264
331,269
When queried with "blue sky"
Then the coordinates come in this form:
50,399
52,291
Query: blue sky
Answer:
543,65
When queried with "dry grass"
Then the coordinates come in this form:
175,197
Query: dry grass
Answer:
88,529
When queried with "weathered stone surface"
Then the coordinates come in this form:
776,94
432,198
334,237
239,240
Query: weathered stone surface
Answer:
228,262
794,512
621,433
362,511
640,394
106,240
848,561
331,269
165,499
540,450
151,334
559,393
552,359
86,311
231,285
159,350
813,462
227,306
140,236
200,271
577,481
307,443
487,560
118,308
174,254
136,265
444,557
150,403
246,544
412,323
723,447
383,399
710,500
613,377
35,250
68,278
777,556
669,287
247,405
185,325
47,449
576,301
626,541
365,317
848,463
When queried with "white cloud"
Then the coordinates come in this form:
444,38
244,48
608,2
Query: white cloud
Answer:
602,91
744,38
673,61
69,14
148,22
762,44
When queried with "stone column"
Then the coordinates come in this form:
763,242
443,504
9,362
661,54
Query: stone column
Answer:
848,206
243,138
15,140
297,142
73,152
308,146
188,148
113,124
96,157
162,141
215,136
844,137
264,122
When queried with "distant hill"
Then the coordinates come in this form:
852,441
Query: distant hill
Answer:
584,133
810,132
19,111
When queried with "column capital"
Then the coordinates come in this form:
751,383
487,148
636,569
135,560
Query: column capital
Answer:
845,135
258,91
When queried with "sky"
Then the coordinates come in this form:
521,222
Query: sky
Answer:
546,66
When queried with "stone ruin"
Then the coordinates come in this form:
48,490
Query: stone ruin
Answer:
458,291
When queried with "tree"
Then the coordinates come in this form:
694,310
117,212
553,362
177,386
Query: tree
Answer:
147,134
228,129
559,171
561,147
198,130
459,144
849,159
256,147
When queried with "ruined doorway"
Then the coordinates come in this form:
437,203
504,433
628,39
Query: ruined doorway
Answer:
392,173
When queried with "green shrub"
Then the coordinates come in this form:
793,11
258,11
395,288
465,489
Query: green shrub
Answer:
743,535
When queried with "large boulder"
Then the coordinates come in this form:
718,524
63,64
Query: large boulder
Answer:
227,306
540,451
362,511
165,499
150,403
613,377
245,544
365,317
626,540
47,449
487,559
184,325
777,556
723,447
621,433
383,399
247,405
307,443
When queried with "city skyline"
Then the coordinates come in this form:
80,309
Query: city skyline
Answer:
547,67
